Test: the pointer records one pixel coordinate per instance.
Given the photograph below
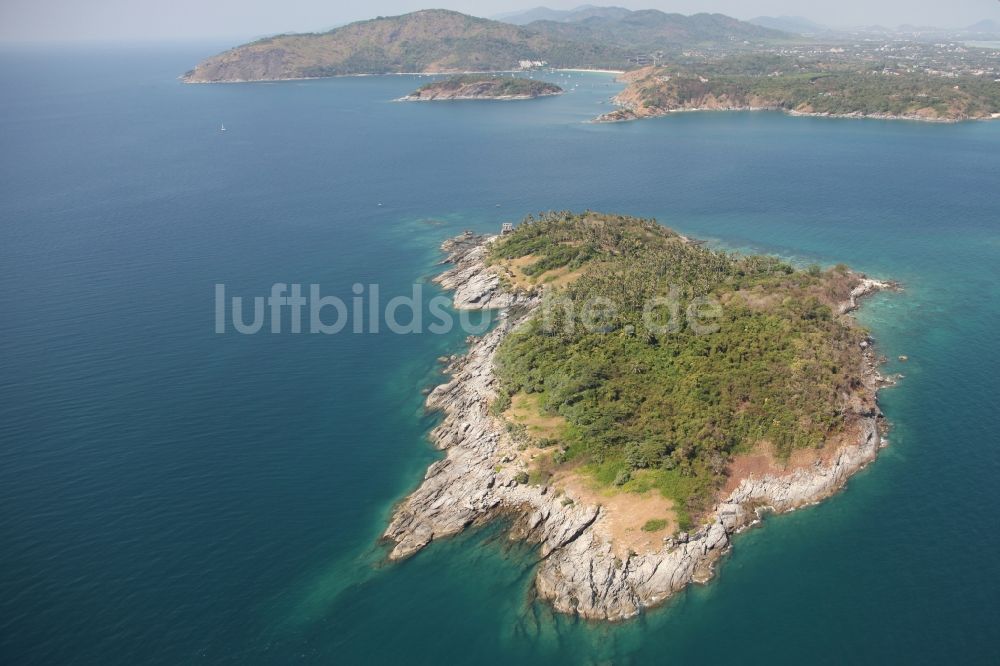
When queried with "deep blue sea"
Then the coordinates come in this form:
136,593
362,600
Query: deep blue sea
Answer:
171,495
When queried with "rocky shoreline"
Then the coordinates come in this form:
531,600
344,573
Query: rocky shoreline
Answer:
580,571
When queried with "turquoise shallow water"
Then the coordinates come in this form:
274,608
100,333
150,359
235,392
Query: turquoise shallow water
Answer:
168,495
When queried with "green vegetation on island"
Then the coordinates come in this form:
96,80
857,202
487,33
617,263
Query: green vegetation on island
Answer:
739,352
484,86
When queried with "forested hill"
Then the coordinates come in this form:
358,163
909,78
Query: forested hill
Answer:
437,40
651,30
432,40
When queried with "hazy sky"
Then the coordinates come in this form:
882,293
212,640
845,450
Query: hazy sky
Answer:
140,20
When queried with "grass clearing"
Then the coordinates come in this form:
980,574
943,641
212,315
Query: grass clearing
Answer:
526,409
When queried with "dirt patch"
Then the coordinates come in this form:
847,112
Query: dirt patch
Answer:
624,513
526,409
754,299
559,277
514,271
762,461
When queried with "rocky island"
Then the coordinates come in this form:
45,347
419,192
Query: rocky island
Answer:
642,400
483,86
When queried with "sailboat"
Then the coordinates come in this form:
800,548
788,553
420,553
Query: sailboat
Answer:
223,127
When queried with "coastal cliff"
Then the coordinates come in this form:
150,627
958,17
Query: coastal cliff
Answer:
582,569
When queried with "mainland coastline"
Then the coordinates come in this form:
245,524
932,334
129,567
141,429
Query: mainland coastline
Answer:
585,566
653,92
627,113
